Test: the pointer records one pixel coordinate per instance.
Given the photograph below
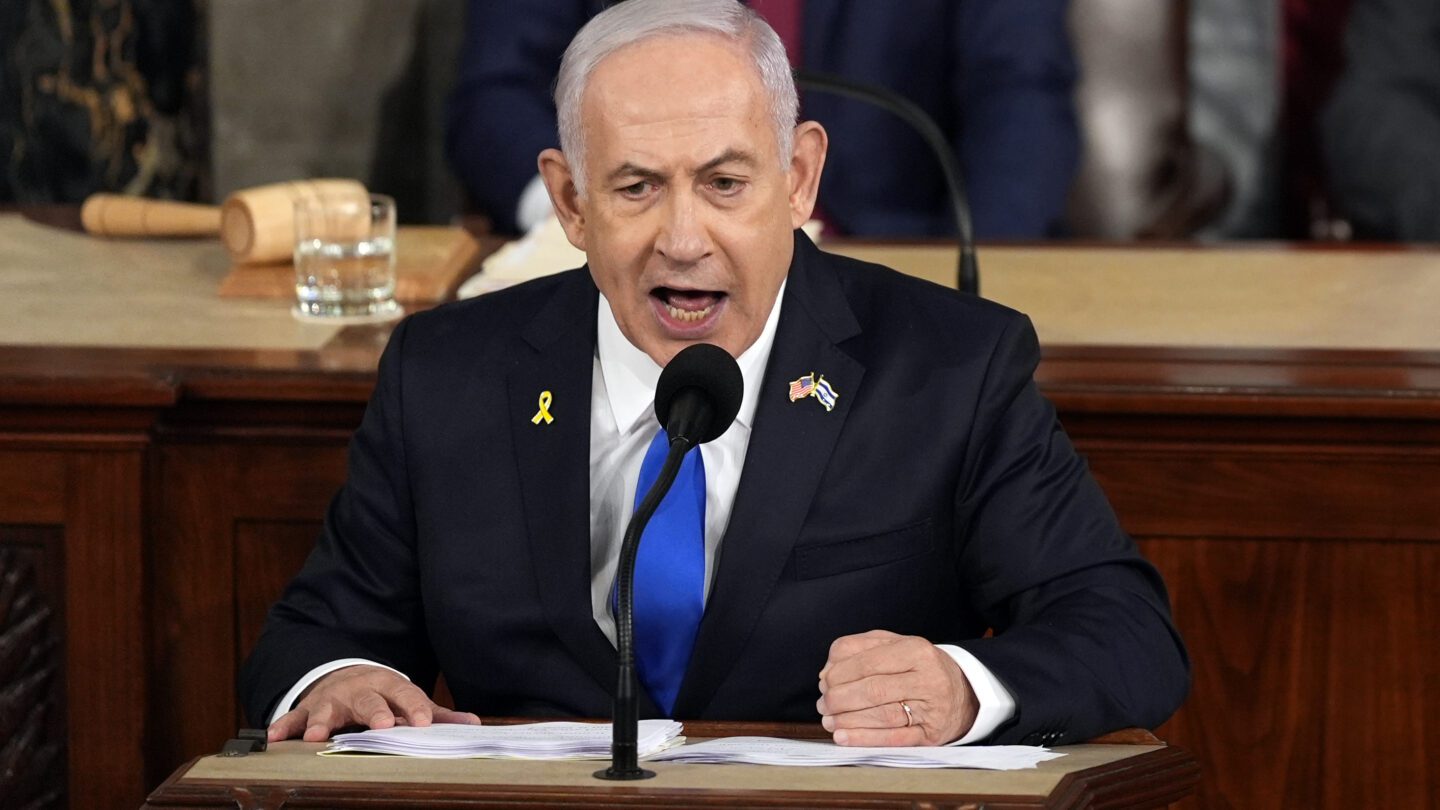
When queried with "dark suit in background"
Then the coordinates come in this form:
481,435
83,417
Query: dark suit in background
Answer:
996,74
940,498
1382,128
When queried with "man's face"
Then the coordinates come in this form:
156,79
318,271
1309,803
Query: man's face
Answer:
688,217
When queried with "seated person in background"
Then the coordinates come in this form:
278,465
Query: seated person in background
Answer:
997,75
1381,131
850,550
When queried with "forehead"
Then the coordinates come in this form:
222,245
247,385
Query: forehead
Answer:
672,90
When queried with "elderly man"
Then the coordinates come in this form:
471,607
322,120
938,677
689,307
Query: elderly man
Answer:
893,487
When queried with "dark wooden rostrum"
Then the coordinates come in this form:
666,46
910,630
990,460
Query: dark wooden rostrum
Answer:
154,502
1138,772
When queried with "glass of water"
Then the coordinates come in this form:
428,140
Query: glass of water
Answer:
345,258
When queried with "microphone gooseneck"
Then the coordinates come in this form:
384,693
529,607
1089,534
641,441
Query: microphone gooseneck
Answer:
968,272
696,399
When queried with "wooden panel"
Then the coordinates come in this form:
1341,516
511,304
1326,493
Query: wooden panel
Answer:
30,484
233,522
86,554
32,684
1315,669
267,556
1266,491
105,644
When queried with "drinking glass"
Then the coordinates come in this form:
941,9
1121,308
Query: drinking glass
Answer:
345,257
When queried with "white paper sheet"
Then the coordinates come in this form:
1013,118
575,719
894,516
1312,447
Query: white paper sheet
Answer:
662,741
774,751
526,741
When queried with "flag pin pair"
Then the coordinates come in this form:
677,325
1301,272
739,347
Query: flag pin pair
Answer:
813,385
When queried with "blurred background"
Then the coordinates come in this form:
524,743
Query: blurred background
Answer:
1202,120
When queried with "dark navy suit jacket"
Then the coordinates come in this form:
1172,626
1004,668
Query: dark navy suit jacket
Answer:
940,498
996,74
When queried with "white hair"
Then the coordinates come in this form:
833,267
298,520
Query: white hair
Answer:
632,21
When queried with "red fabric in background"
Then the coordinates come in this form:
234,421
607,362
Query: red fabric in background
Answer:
787,18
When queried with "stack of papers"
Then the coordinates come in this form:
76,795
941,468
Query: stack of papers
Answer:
661,741
772,751
528,741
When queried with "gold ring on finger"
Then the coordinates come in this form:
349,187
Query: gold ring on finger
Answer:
909,715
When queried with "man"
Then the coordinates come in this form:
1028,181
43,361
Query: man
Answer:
997,76
926,496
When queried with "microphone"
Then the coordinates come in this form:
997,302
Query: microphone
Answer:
699,394
968,272
696,399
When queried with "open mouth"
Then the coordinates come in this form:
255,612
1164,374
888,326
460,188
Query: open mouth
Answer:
687,309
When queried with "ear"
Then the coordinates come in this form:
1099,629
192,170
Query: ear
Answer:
806,162
560,183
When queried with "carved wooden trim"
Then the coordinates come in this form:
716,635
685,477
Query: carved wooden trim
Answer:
31,754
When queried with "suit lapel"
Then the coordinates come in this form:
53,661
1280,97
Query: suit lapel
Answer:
554,467
789,449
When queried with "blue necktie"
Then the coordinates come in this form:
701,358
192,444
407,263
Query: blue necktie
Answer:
669,574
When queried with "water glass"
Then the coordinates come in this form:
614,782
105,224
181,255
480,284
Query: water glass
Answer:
345,257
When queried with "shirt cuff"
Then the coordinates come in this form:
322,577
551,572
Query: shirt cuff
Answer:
997,705
534,207
288,701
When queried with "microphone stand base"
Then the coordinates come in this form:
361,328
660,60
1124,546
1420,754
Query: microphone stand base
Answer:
624,775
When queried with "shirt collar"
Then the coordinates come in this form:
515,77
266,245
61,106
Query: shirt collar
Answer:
630,375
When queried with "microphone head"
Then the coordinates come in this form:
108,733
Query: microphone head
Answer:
699,393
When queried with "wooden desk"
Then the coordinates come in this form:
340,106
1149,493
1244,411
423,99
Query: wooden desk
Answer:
1117,775
165,459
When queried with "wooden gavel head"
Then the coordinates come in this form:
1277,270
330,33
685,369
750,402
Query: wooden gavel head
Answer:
257,225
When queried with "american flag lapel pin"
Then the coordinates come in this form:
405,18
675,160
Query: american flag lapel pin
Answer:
814,385
803,387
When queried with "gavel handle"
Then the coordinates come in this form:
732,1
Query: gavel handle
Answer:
119,215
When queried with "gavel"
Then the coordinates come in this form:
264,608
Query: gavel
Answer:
256,225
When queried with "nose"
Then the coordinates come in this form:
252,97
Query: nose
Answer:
684,237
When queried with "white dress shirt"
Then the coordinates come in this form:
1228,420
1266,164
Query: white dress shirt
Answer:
622,425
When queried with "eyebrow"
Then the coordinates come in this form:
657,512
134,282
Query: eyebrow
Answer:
732,155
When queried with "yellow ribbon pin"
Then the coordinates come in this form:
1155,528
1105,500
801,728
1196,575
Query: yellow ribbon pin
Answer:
544,413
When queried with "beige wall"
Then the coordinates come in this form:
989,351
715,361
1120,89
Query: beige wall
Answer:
353,88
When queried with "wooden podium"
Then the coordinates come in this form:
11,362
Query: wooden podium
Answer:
290,774
1265,420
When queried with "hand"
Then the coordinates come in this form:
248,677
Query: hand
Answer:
870,675
361,695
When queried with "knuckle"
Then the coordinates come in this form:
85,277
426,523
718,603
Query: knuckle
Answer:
875,691
379,678
368,703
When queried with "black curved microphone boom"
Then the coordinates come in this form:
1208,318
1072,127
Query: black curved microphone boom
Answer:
696,399
968,271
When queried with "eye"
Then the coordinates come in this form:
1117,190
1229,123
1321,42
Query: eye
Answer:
727,185
635,190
